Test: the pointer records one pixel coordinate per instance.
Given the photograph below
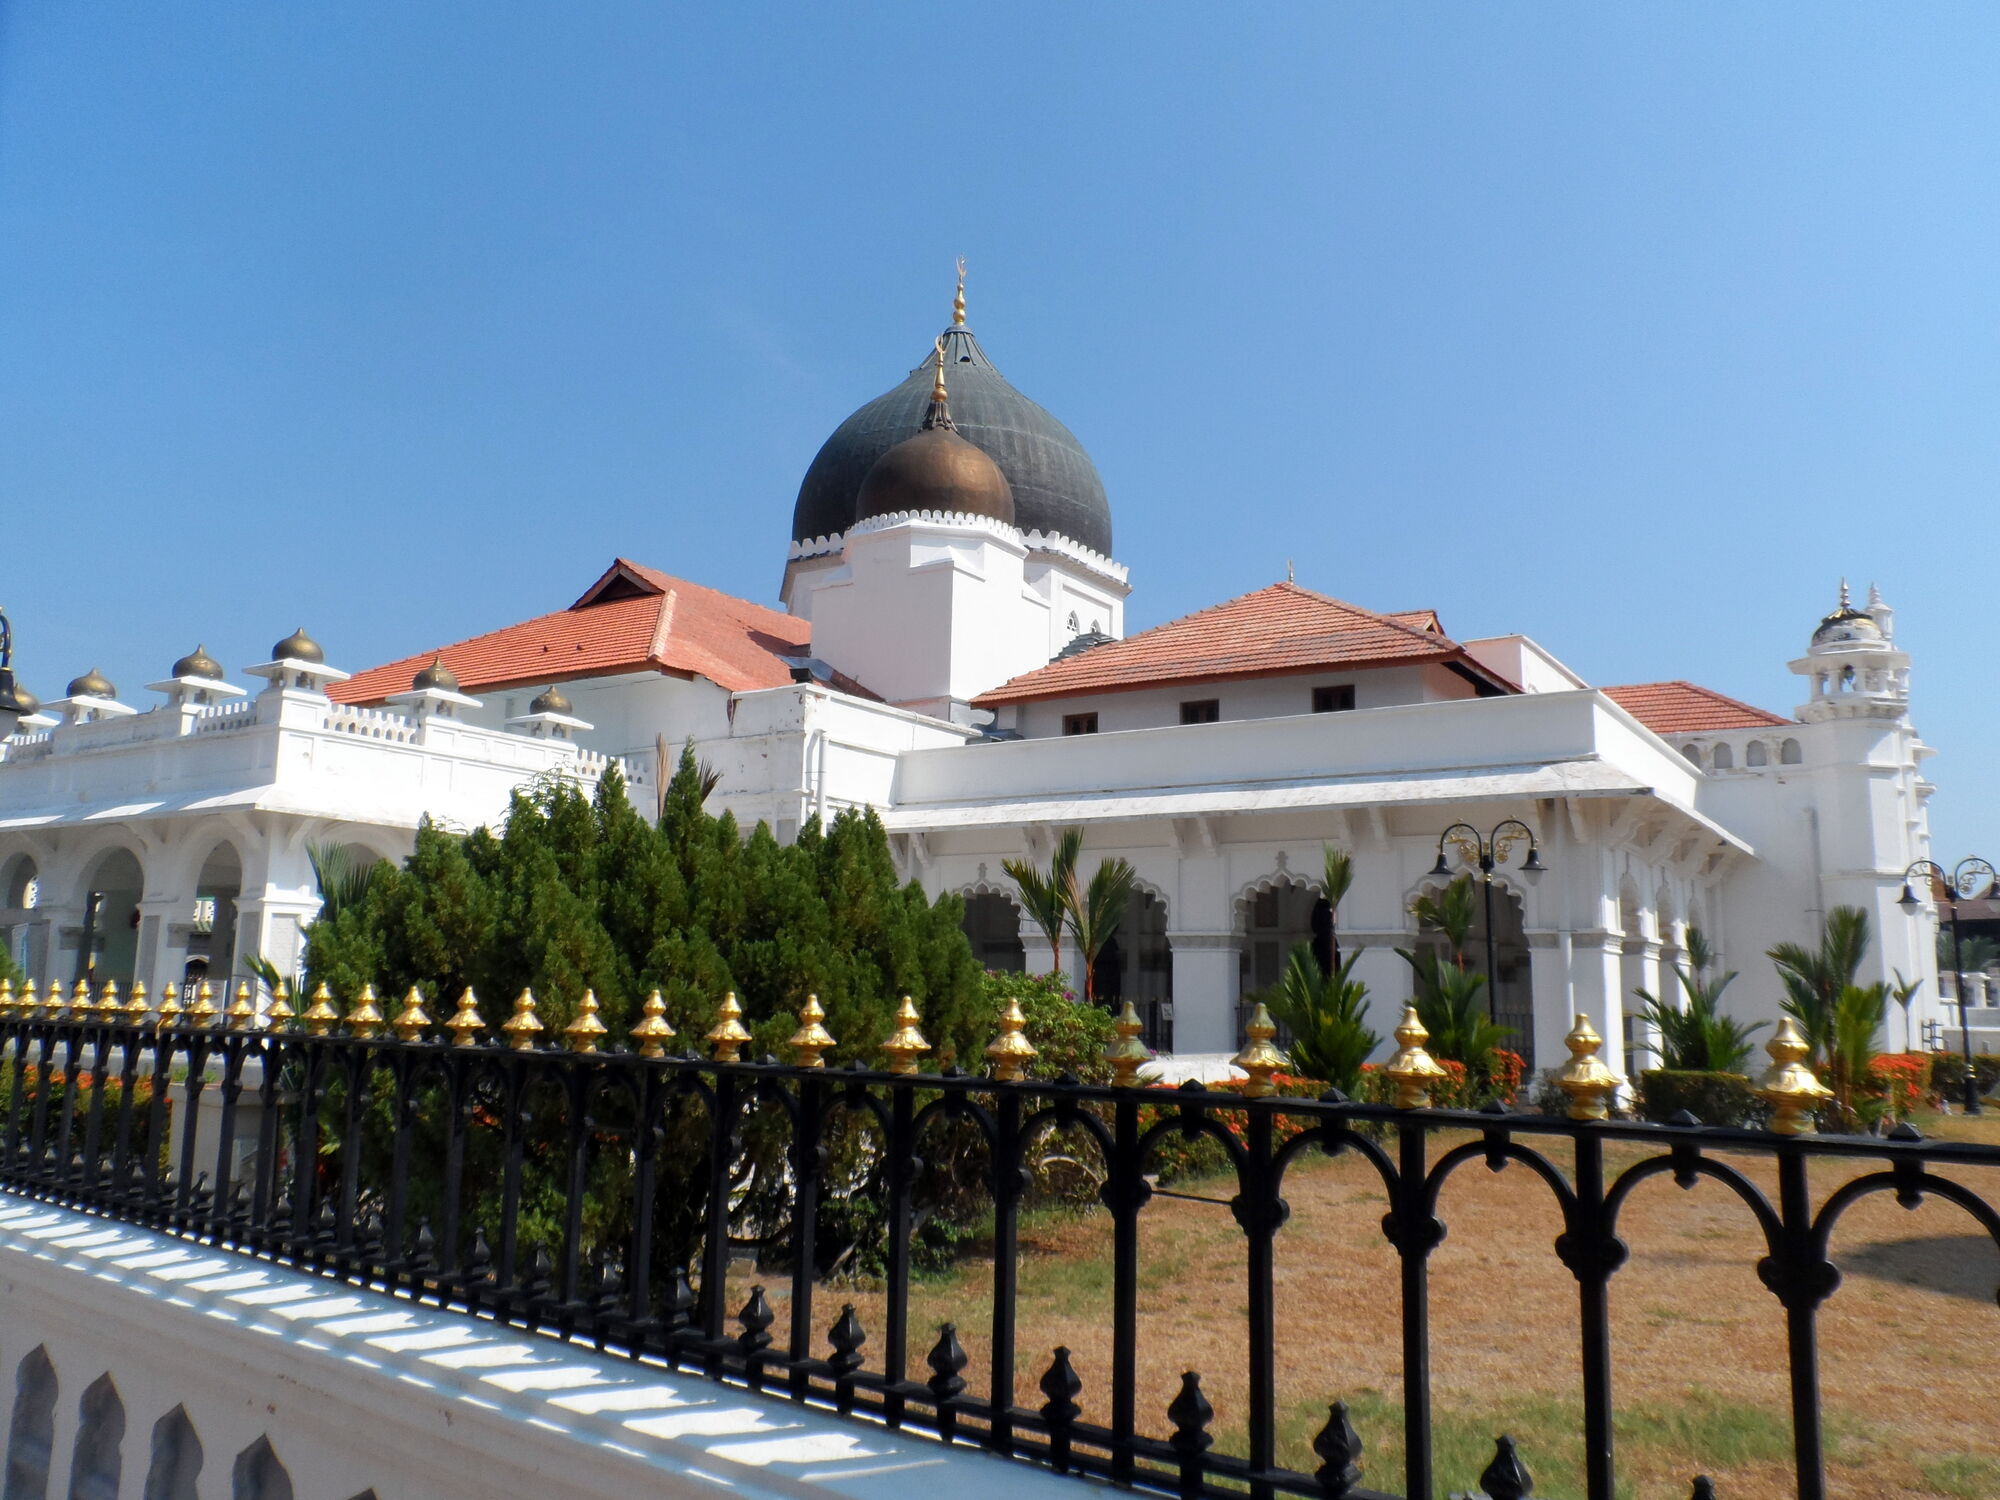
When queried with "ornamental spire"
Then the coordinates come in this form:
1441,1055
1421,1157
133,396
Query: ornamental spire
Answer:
958,302
939,412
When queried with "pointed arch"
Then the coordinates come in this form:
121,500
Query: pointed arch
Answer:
176,1459
32,1433
97,1459
257,1474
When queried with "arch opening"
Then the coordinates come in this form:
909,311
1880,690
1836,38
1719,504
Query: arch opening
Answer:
1138,965
993,926
108,946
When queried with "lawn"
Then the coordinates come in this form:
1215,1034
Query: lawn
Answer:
1910,1342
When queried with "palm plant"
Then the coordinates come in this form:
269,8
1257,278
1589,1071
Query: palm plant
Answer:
343,878
1858,1015
1974,955
1695,1036
1449,1002
1095,912
1335,881
1326,1015
1904,992
1046,894
1814,977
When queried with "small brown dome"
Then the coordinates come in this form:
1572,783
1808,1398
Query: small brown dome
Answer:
550,702
198,663
92,684
936,470
436,675
298,646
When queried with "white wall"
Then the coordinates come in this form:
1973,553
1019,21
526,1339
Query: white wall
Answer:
1239,698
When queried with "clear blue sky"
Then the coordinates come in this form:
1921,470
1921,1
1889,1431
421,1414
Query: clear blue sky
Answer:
1631,326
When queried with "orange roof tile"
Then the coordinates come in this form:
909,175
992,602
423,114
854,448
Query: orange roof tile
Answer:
1416,619
1685,708
1277,630
633,619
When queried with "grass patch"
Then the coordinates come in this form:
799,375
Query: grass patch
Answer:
1963,1476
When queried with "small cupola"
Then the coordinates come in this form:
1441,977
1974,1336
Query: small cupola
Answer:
936,471
434,693
549,717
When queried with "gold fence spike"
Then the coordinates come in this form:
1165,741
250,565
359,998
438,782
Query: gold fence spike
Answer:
29,1002
811,1039
583,1032
524,1025
1259,1058
466,1023
138,1007
79,1001
1127,1054
170,1004
906,1043
6,997
108,1003
1789,1086
242,1011
280,1015
365,1020
412,1018
322,1015
1414,1070
203,1012
728,1035
1011,1051
652,1032
1588,1082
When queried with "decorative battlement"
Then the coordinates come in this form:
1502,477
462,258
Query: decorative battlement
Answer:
1035,541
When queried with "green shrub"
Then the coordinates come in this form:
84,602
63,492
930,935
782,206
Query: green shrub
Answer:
1948,1074
1712,1098
1068,1037
1327,1016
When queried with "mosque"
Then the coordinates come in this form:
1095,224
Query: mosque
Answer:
952,652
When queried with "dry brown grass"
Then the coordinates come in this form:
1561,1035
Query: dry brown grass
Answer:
1910,1343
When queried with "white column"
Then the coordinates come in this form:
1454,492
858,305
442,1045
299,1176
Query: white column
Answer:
1390,985
165,923
1595,961
1205,965
1550,981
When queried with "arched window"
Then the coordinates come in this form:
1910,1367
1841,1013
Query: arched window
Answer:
993,927
1725,758
95,1462
1756,755
32,1434
1074,626
176,1461
1692,752
258,1475
1789,754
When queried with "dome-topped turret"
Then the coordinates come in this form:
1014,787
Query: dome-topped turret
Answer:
437,675
1847,626
298,646
1054,484
198,663
551,700
937,470
92,684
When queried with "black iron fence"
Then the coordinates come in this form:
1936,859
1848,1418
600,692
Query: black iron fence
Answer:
602,1195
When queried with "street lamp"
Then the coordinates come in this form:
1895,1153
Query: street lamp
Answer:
1488,854
1967,876
15,701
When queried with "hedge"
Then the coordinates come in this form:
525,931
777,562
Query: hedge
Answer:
1712,1098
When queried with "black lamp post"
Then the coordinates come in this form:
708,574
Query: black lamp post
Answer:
1488,854
15,702
1967,876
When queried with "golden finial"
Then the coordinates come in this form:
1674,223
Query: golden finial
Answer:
137,1008
727,1035
653,1033
280,1015
958,298
584,1031
79,1001
412,1018
1011,1051
108,1003
939,395
322,1015
365,1020
6,997
203,1012
524,1025
1414,1069
170,1005
1259,1058
1789,1086
242,1011
906,1043
1127,1054
1585,1078
811,1039
466,1023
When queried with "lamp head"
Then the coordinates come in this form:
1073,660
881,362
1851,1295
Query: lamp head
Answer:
1441,868
1532,868
1908,900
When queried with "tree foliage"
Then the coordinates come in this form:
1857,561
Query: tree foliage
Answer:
1695,1036
1047,895
1327,1015
1815,976
1449,993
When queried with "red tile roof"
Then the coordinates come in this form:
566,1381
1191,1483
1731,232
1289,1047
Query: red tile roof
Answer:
1684,708
633,619
1278,630
1417,619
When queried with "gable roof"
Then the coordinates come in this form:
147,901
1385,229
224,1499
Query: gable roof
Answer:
633,619
1686,708
1275,631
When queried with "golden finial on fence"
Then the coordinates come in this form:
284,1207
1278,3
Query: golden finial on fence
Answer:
1789,1086
524,1025
280,1015
412,1018
466,1023
906,1043
28,1002
79,1001
322,1015
728,1035
1585,1078
138,1007
6,997
1127,1054
365,1020
811,1039
652,1033
1414,1070
1259,1058
203,1012
242,1010
108,1004
170,1005
1011,1051
584,1031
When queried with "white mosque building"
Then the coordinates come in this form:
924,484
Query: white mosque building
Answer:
951,651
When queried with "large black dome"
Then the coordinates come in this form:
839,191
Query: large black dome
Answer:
1056,488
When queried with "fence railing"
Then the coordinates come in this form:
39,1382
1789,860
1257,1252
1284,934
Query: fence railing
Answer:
603,1195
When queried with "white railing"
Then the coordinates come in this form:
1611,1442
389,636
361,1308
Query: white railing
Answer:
371,724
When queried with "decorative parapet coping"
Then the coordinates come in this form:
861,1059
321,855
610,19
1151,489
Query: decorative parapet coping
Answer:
1053,543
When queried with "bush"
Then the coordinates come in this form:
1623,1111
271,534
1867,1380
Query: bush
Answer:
1902,1080
1068,1037
1712,1098
1181,1158
1498,1076
1948,1074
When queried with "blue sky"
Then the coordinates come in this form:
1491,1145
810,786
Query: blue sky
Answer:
1631,327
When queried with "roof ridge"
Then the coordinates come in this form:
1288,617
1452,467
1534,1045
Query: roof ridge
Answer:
1426,636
